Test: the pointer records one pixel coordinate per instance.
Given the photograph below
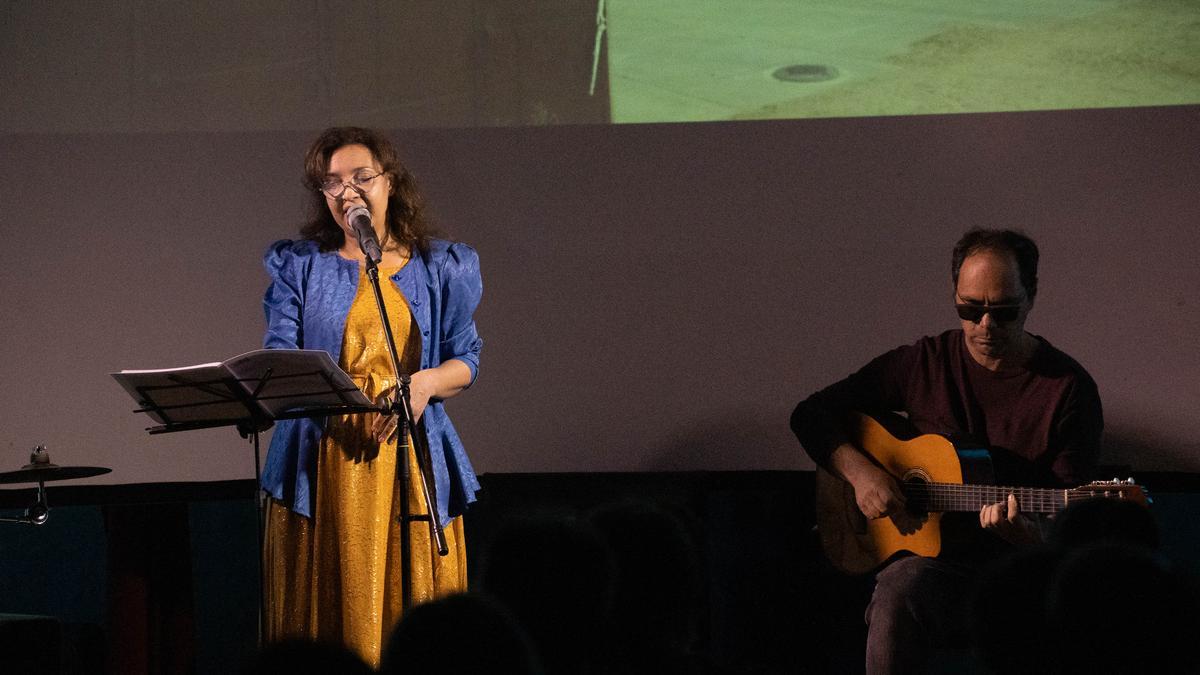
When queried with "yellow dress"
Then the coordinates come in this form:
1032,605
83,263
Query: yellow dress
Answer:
337,577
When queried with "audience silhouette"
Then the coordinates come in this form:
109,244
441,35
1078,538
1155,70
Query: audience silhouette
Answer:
556,576
657,595
299,656
1096,598
463,634
621,592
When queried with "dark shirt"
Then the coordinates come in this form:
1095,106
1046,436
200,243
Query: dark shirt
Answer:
1042,423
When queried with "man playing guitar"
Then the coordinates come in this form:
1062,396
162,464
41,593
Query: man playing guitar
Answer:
1036,410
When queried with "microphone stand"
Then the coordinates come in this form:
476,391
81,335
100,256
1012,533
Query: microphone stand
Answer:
401,405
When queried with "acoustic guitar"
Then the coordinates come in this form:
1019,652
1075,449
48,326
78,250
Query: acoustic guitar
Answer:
931,471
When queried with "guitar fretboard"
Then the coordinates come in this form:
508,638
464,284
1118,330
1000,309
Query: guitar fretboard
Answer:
959,497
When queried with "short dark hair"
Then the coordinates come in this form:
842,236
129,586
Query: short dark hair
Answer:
1022,248
406,219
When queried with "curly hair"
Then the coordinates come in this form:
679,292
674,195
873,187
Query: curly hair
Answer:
1022,248
407,222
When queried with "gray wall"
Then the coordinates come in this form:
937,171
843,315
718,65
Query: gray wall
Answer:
657,297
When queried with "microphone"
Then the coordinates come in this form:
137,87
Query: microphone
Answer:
360,221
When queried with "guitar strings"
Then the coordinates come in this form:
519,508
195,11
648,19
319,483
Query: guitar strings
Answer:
961,497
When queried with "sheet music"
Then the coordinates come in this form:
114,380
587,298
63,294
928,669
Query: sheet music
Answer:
295,379
300,378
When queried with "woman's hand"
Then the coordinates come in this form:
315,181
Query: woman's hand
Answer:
1006,520
423,385
383,424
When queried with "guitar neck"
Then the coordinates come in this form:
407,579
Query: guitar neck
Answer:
960,497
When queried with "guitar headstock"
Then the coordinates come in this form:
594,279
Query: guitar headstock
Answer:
1116,488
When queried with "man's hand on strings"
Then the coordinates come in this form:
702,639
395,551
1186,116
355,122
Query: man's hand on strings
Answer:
1006,520
877,493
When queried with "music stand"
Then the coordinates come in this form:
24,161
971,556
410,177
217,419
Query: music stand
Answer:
251,392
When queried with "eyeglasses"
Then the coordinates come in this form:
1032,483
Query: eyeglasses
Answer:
1000,313
361,180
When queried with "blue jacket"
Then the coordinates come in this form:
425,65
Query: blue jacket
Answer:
306,307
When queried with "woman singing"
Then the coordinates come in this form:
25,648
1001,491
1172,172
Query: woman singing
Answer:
333,565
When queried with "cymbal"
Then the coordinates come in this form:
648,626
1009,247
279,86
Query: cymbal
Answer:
45,472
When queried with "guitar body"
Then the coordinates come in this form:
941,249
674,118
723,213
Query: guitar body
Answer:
936,477
857,545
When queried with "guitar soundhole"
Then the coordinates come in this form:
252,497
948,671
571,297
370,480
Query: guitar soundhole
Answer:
916,496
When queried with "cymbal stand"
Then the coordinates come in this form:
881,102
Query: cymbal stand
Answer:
36,514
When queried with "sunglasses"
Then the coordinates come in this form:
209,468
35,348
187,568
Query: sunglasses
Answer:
1000,313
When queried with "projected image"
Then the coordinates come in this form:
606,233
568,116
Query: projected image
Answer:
703,60
484,63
